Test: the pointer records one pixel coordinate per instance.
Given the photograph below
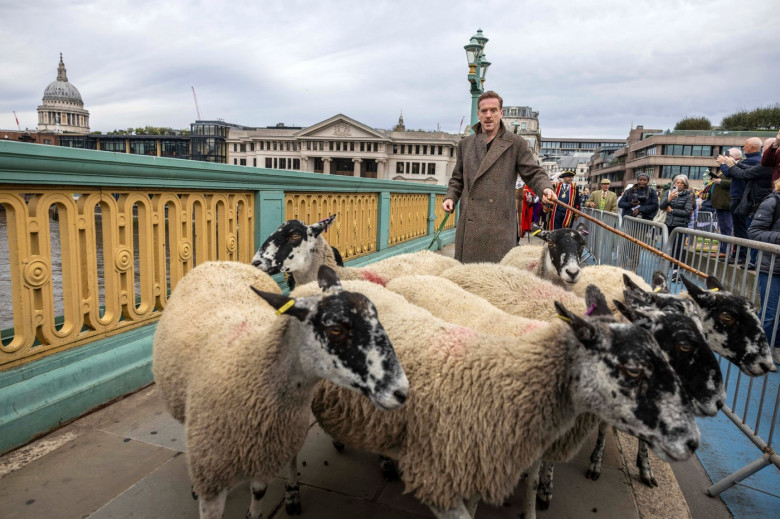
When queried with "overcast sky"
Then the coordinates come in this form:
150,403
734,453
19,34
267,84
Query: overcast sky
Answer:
591,69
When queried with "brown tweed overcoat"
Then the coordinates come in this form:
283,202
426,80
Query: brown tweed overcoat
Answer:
484,183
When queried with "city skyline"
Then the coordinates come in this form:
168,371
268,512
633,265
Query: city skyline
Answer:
592,69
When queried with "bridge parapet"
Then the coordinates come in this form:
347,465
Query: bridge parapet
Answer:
96,241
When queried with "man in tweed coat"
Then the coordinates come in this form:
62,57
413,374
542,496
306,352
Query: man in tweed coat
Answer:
484,182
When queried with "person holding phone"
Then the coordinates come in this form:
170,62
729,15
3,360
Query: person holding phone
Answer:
678,204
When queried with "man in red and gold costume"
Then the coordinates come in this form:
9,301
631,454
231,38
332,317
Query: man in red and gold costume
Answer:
560,217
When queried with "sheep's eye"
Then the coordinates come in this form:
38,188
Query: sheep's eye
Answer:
727,318
295,236
683,347
631,372
336,333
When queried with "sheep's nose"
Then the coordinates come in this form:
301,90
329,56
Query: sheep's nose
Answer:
720,404
400,396
256,263
692,445
572,272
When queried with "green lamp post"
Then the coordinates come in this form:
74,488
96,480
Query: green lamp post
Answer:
478,65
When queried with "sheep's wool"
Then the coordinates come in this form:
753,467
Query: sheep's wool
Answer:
211,346
514,291
450,444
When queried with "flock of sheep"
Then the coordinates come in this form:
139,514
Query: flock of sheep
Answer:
466,376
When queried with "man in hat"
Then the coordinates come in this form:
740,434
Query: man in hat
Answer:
603,199
566,191
640,201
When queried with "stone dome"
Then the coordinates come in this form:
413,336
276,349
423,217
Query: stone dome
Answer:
62,91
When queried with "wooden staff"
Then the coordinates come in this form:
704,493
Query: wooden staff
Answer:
633,240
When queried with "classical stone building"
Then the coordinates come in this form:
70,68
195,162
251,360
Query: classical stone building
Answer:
341,145
62,110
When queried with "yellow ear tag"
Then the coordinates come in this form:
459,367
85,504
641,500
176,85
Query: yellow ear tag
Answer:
713,290
657,289
537,231
563,318
289,304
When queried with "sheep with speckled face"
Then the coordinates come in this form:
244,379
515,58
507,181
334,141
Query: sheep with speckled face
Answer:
241,379
521,392
299,250
558,260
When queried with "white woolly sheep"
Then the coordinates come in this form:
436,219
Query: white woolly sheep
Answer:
688,353
453,304
241,379
557,260
299,250
514,291
520,392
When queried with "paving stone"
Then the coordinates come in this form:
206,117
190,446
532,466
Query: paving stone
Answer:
166,492
79,477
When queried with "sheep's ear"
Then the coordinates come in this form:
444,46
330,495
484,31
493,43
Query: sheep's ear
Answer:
321,226
714,283
584,331
595,301
634,315
698,294
659,282
327,278
542,234
582,229
282,304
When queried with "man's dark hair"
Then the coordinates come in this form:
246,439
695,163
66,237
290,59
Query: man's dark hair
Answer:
490,94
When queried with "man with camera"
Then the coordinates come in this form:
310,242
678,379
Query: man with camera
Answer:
640,201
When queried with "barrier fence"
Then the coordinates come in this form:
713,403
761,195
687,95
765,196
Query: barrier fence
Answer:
753,403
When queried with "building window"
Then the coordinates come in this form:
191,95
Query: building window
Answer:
296,164
242,162
439,150
431,168
254,162
242,148
399,167
274,145
251,146
235,162
282,163
268,162
524,126
415,168
395,149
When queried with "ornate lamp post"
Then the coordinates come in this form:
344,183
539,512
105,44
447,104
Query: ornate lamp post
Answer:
478,65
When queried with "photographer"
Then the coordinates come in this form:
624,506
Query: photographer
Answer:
640,201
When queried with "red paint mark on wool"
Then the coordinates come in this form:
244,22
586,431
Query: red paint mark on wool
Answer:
532,265
238,331
454,342
374,278
533,326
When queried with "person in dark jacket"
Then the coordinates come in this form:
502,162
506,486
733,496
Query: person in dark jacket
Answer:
640,201
737,189
678,204
765,227
721,202
758,184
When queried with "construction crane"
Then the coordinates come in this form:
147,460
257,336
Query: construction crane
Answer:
17,121
196,102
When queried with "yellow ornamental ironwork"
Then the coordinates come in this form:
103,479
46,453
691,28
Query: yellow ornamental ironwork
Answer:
353,232
87,265
408,217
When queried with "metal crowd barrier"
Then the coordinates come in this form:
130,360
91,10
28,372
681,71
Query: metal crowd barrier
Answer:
753,403
706,221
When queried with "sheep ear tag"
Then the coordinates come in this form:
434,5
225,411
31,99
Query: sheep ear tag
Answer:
282,304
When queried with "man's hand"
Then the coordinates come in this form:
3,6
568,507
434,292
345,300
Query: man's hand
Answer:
591,204
730,162
548,196
447,205
721,159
